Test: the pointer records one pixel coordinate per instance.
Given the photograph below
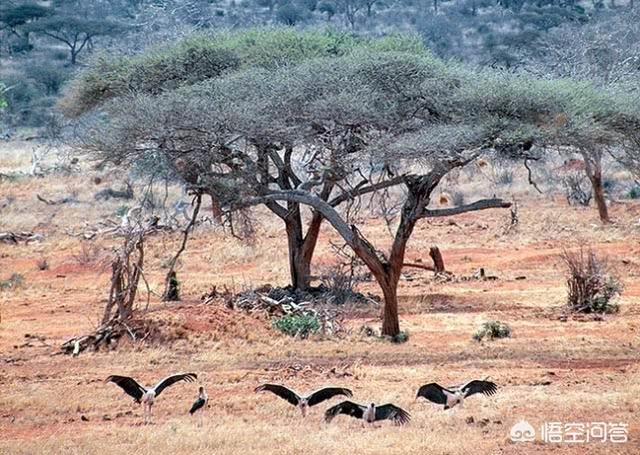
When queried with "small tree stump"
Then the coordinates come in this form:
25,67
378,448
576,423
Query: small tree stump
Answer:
173,288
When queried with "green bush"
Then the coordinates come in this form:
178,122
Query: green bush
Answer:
15,280
298,325
400,338
634,193
492,330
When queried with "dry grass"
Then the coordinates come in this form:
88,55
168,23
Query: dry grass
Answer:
590,368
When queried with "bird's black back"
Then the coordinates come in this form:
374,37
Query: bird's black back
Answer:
198,404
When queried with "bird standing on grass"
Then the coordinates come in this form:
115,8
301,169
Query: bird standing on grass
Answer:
200,405
369,414
303,403
452,396
147,396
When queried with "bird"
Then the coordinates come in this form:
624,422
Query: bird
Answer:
303,403
369,414
147,396
200,405
452,396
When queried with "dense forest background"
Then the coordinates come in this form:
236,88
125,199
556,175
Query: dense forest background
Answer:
42,44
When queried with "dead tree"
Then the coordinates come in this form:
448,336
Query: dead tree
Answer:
171,292
126,271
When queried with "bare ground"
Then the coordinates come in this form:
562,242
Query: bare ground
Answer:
577,370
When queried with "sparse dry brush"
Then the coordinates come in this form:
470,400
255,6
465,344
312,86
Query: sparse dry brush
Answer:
591,288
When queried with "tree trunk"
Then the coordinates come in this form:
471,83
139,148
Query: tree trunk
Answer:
390,322
593,169
598,195
438,261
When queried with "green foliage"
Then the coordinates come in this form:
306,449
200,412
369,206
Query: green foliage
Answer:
122,210
14,281
492,330
290,14
401,337
634,193
3,101
300,325
202,57
22,14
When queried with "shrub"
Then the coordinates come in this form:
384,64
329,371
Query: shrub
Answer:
400,338
42,264
14,281
634,193
590,286
492,330
301,325
290,14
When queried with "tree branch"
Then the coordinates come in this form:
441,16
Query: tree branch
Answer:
494,203
361,190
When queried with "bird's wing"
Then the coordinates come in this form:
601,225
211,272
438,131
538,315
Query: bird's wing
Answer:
346,407
392,412
433,392
200,402
170,380
485,387
325,394
281,391
129,385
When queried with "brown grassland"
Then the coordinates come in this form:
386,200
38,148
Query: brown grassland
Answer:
574,370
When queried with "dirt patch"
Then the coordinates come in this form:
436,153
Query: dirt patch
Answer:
215,321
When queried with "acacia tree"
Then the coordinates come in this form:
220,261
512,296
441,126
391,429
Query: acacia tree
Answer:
74,32
205,58
332,122
600,52
320,133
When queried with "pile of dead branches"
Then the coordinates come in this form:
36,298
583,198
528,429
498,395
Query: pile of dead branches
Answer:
16,237
275,302
107,336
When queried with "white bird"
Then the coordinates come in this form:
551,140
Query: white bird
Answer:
147,396
452,396
302,402
200,405
369,414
